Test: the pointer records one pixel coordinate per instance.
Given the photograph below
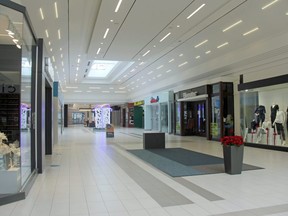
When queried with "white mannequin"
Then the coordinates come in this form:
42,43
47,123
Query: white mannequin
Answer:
279,122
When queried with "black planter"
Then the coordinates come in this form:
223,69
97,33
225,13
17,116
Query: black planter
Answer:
233,159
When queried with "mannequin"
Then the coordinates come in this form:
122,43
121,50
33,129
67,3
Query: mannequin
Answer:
279,122
260,114
274,109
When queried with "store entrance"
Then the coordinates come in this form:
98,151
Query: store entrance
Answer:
195,117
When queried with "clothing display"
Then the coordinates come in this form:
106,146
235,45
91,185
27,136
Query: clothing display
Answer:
260,114
274,109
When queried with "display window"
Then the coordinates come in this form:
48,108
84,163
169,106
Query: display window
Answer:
264,115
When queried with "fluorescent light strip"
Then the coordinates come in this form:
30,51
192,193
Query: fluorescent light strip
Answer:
171,60
146,53
47,34
165,37
231,26
150,72
41,13
53,58
203,42
106,32
98,51
199,8
118,6
56,9
71,87
160,67
268,5
168,71
197,57
78,61
59,34
184,63
224,44
207,52
249,32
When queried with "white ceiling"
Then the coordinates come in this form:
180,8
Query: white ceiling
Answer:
137,28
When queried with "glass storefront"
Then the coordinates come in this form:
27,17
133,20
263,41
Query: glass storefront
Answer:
17,47
263,114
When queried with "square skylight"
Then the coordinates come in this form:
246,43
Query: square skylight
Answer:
101,69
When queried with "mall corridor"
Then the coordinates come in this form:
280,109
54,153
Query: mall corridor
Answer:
91,175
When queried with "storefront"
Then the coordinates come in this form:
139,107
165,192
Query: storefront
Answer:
139,114
17,102
158,112
263,112
206,111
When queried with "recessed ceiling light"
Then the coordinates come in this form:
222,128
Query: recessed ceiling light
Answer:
203,42
71,87
56,9
106,33
141,63
47,34
118,6
53,59
171,60
150,72
146,53
249,32
168,71
159,75
197,57
165,37
160,67
287,13
207,52
194,12
268,5
61,55
51,49
181,55
184,63
62,63
41,13
178,26
111,20
60,49
49,43
224,44
98,51
231,26
59,34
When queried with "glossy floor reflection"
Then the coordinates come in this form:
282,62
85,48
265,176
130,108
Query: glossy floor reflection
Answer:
90,174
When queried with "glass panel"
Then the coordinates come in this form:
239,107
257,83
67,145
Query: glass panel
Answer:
11,41
215,121
178,118
26,82
215,88
155,117
164,117
264,115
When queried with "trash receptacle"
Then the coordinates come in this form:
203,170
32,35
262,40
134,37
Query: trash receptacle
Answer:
109,130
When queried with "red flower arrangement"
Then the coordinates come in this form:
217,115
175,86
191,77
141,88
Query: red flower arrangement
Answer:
232,140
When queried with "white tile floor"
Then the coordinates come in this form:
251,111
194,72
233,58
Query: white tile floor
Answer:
91,180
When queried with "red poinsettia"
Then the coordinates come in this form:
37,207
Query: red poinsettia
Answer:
232,140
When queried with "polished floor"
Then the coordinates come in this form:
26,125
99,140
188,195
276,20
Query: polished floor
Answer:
91,175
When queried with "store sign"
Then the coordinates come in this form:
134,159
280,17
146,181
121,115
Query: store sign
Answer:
154,100
9,89
190,94
139,103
